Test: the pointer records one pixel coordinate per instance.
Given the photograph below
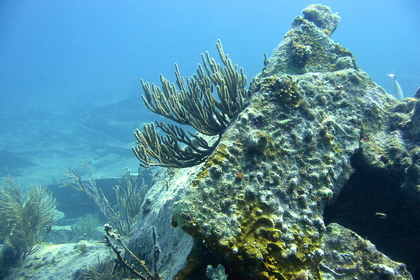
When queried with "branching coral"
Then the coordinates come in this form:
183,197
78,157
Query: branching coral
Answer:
193,104
114,241
129,195
26,216
167,150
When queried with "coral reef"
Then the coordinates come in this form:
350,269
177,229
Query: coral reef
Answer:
316,128
257,203
318,161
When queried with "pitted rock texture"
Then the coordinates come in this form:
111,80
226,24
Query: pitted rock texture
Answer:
257,203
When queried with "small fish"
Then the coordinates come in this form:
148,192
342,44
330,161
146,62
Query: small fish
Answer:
265,59
381,215
398,93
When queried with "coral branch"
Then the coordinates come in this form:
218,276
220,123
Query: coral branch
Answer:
110,235
167,150
129,194
191,102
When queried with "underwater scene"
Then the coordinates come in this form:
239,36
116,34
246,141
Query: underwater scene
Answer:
197,140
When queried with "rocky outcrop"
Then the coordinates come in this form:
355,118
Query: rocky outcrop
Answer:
256,205
258,201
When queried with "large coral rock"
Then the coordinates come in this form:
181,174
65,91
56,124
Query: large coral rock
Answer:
256,205
348,256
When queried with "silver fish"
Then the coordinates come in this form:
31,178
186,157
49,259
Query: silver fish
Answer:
398,93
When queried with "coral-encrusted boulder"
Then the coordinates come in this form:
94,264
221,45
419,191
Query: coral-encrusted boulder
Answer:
256,205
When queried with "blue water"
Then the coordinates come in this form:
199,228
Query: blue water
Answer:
62,60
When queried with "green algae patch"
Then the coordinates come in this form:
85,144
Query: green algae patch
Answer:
283,90
315,54
215,161
263,246
261,240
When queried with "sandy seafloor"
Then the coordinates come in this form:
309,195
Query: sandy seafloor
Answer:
38,145
61,261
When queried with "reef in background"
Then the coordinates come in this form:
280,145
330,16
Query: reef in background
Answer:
256,205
